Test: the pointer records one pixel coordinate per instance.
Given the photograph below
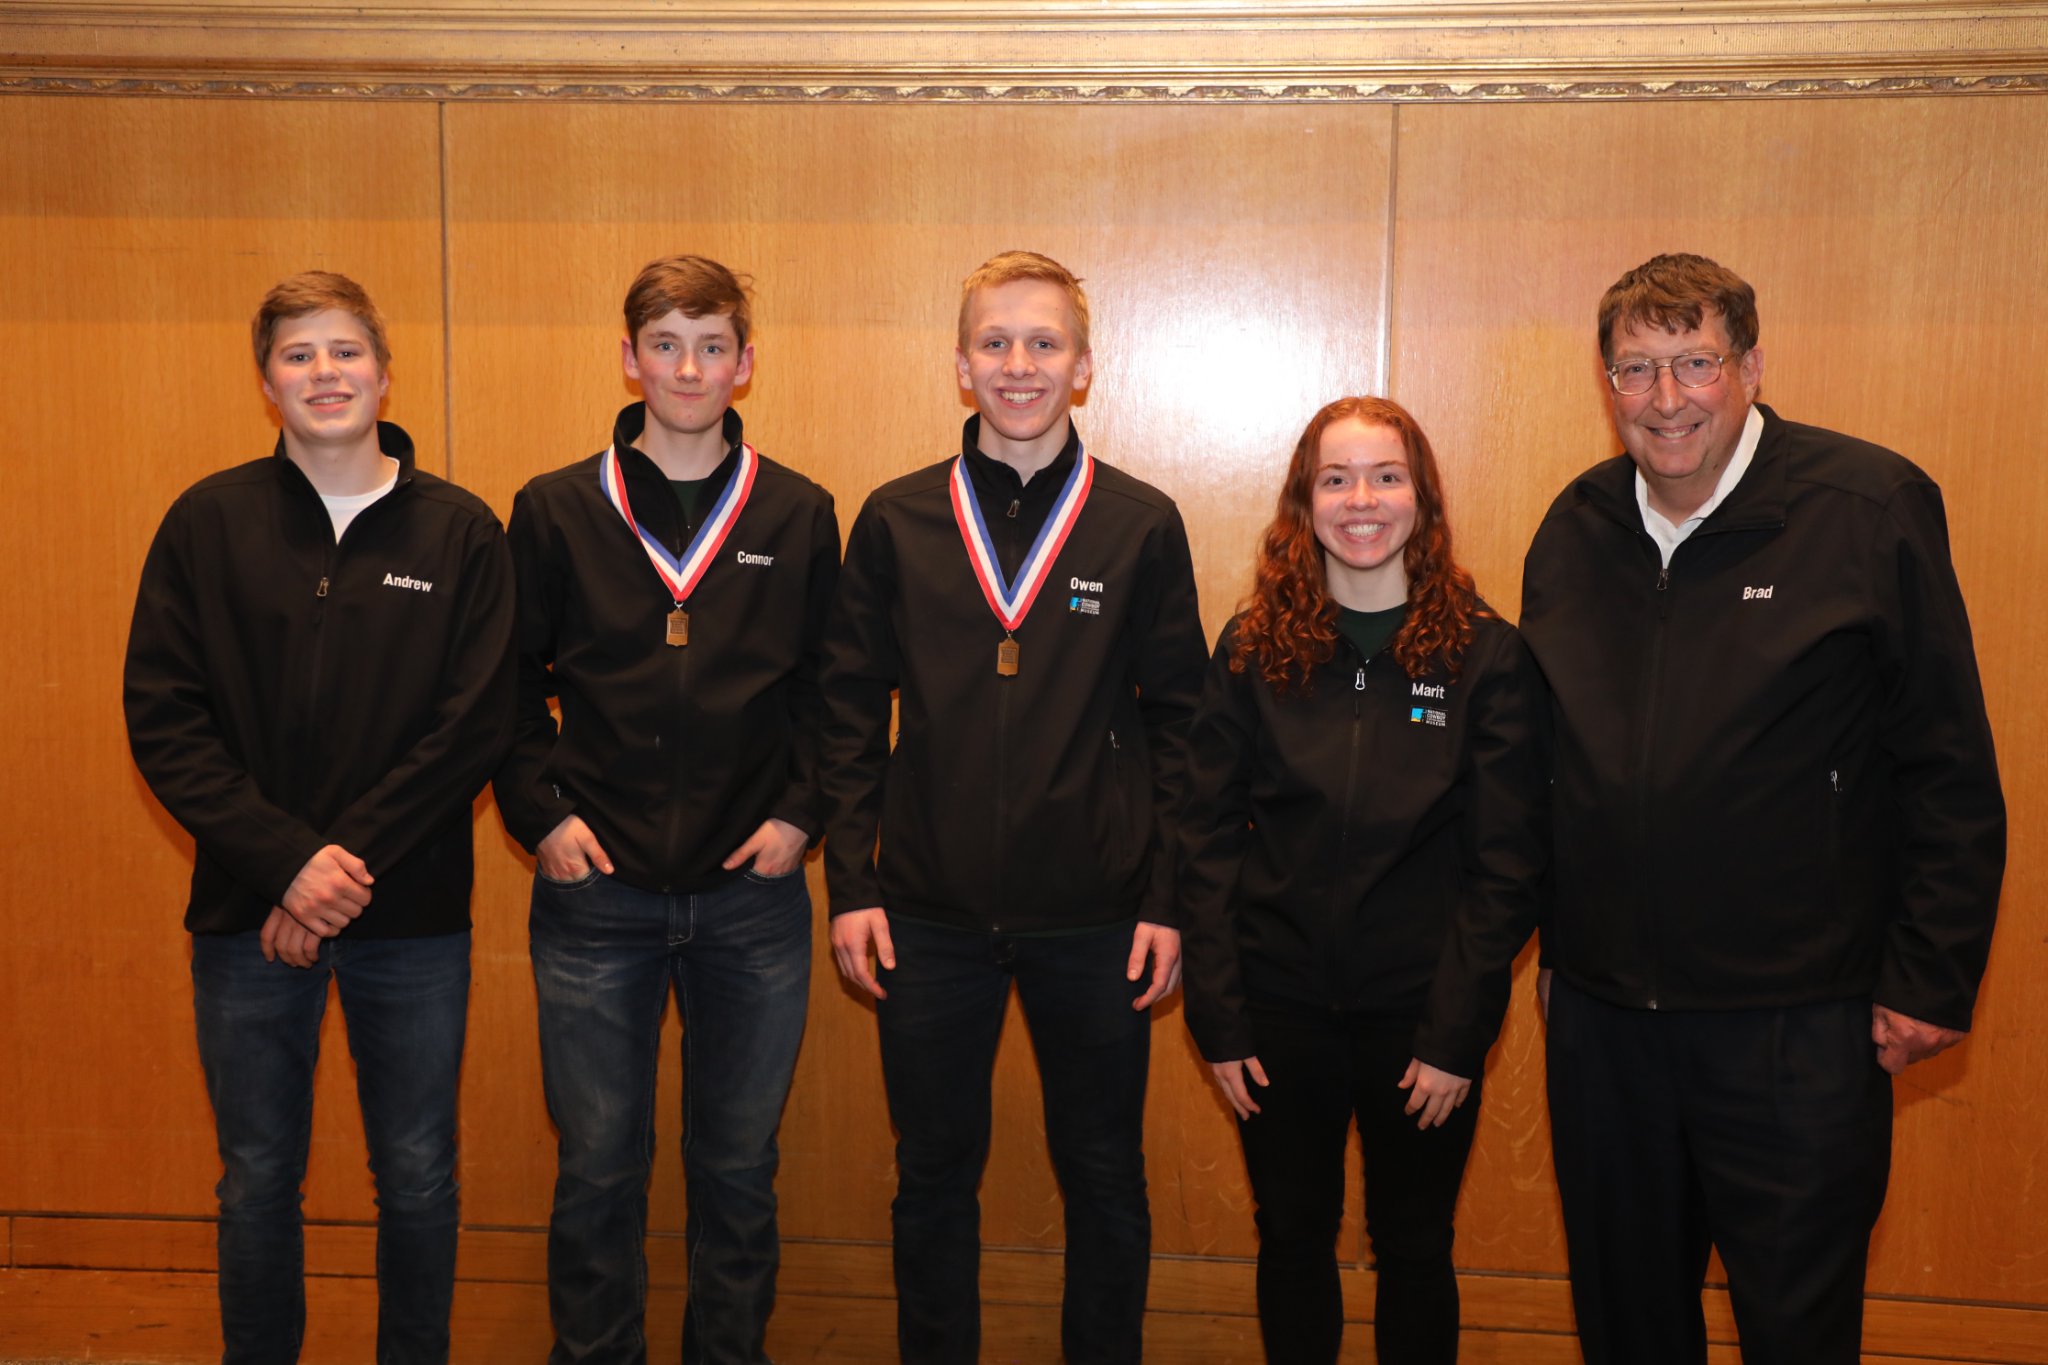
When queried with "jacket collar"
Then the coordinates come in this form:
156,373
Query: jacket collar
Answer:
632,421
1757,502
995,476
392,440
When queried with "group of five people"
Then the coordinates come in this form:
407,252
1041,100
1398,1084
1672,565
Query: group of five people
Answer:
1735,764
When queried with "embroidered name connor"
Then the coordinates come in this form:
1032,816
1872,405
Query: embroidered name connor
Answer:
746,558
416,584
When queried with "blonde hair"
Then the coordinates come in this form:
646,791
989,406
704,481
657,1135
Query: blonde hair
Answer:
1011,266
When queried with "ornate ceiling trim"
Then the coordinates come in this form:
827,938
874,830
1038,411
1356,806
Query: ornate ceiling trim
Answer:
1099,51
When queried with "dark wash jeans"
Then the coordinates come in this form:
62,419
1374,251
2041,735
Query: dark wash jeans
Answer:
604,957
405,1002
1322,1070
939,1028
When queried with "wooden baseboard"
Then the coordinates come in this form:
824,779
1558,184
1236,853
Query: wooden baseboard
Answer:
141,1289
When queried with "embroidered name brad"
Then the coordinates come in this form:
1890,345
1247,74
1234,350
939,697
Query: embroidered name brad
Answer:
1758,594
402,581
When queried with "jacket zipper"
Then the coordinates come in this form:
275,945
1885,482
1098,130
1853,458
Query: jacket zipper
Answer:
328,568
1002,778
1652,684
671,756
1339,911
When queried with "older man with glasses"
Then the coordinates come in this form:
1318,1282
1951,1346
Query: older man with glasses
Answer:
1779,836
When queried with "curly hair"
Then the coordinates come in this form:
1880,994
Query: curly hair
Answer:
1288,625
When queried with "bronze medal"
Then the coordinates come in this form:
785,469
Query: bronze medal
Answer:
1006,658
679,628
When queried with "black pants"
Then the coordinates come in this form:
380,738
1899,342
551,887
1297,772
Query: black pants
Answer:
1765,1133
939,1029
1322,1071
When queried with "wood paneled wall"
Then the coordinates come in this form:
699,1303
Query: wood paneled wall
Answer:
1245,263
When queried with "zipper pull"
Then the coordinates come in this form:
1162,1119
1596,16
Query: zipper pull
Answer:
1359,684
321,591
1015,503
1663,578
1835,780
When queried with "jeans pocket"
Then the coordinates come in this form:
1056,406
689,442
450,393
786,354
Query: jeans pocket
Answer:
589,877
777,880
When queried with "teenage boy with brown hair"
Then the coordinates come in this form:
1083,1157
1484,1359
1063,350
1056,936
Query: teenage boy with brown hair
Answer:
318,683
1034,609
672,592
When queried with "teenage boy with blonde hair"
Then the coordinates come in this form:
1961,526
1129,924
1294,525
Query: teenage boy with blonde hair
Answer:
672,591
318,682
1034,609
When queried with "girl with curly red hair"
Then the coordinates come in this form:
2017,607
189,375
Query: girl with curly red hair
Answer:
1361,846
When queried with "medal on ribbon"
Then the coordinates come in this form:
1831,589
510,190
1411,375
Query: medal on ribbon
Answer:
1011,600
680,576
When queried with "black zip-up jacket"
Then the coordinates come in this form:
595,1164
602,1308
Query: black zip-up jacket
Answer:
1030,803
1371,845
672,755
285,692
1775,782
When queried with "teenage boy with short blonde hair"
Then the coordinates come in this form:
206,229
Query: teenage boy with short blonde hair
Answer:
318,682
672,591
1035,610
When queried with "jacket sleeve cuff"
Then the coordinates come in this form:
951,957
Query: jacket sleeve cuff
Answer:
802,815
1458,1057
536,820
1222,1037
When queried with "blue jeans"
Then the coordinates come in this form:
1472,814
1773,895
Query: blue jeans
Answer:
604,955
405,1002
939,1027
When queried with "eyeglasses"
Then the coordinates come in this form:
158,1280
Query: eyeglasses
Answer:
1695,370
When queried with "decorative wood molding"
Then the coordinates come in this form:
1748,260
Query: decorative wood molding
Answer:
1194,51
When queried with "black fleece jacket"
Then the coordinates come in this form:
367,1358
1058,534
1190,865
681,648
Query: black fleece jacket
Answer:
672,756
1032,803
1372,844
1775,780
285,692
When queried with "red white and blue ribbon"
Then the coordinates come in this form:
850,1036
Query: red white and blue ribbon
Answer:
680,576
1011,600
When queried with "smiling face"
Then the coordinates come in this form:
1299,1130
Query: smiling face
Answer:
1681,439
1023,365
687,369
324,378
1362,504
